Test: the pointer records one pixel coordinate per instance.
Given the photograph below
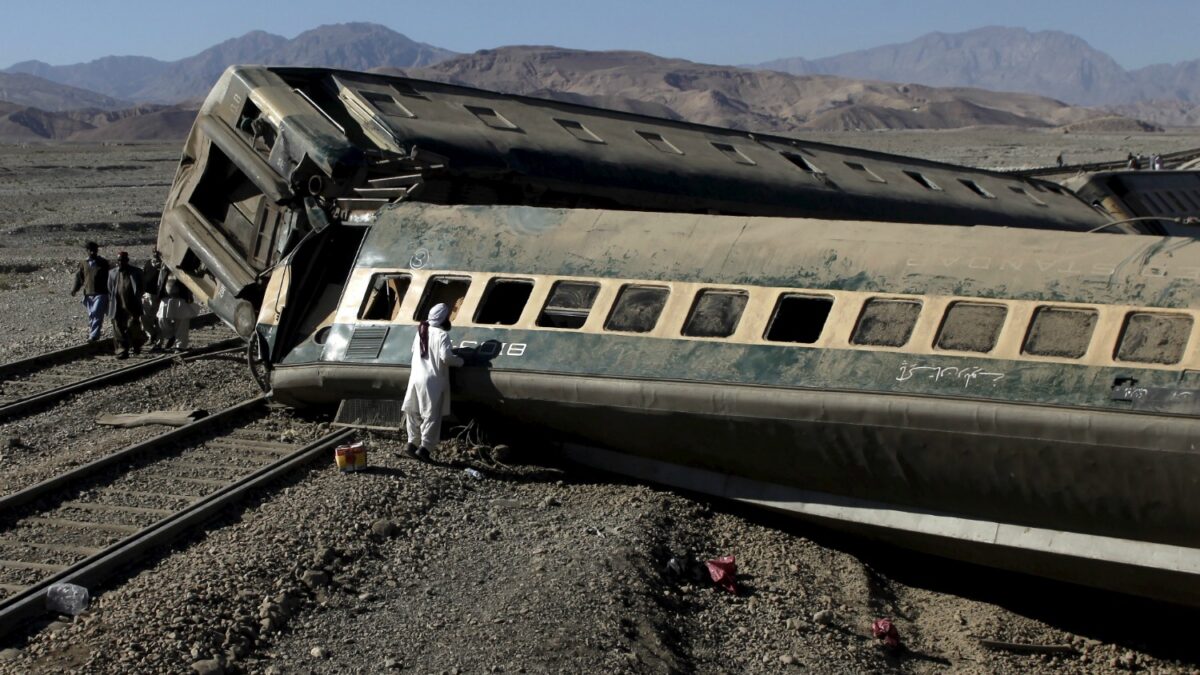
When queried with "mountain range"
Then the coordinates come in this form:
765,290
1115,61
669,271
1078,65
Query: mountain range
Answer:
937,81
1050,63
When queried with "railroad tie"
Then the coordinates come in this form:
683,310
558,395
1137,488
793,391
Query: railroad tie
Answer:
66,548
22,565
142,493
63,522
87,506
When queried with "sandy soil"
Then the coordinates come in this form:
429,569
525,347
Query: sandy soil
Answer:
536,567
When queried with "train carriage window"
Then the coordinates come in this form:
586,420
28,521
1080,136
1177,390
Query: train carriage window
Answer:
971,327
450,290
1060,331
1154,338
568,305
733,153
1032,198
579,131
798,318
503,301
886,323
384,297
637,309
659,142
715,313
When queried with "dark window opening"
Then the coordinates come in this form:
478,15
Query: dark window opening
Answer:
1053,188
407,89
384,297
637,309
503,301
886,323
970,327
492,118
715,314
923,180
448,290
1060,331
1154,338
569,304
733,153
976,188
660,143
803,163
799,318
579,131
862,168
386,104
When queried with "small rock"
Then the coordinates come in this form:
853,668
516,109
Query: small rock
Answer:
384,528
824,617
390,663
1128,660
315,578
787,659
493,535
502,454
208,667
10,654
549,502
319,652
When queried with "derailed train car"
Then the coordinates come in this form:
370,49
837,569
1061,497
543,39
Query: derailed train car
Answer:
962,361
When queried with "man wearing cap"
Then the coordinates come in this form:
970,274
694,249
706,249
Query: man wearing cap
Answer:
428,396
125,306
92,277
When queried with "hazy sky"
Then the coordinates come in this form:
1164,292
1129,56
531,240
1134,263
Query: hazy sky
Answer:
1134,32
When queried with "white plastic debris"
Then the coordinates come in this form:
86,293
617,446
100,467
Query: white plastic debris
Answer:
67,599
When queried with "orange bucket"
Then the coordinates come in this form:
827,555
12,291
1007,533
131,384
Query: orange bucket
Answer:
351,457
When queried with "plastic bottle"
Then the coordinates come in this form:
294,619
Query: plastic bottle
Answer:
67,599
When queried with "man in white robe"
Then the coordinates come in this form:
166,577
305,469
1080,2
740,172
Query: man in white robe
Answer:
428,396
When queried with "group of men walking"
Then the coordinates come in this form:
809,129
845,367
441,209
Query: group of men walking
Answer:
147,305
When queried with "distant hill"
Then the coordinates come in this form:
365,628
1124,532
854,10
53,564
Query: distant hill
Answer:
1050,63
142,123
353,46
29,90
747,99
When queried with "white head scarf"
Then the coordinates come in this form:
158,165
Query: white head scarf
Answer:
439,314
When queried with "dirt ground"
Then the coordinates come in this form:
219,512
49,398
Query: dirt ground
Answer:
536,566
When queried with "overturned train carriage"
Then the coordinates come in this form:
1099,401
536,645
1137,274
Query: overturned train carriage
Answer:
965,362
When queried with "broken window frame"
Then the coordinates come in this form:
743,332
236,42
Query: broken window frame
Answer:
427,295
483,308
373,294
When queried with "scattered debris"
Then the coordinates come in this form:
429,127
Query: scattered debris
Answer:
170,418
473,473
723,571
824,617
1026,648
885,630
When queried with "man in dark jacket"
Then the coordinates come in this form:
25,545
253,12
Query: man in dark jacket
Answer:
125,306
152,276
92,277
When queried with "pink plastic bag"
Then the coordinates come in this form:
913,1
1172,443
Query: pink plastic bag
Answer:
723,572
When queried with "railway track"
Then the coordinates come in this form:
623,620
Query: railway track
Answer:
35,382
83,525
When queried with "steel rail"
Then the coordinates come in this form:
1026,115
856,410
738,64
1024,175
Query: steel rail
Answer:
30,603
145,367
58,483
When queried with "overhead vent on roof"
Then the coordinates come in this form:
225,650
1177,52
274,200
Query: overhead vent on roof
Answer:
867,173
659,142
492,118
733,153
801,162
579,131
976,188
923,180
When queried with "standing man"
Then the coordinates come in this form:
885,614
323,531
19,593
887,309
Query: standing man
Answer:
175,312
92,277
428,396
151,274
125,306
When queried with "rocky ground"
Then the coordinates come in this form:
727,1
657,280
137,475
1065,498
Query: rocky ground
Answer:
532,567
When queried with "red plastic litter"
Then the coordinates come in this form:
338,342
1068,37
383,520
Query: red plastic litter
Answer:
723,571
884,629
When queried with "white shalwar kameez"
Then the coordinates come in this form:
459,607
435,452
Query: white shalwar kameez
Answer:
427,398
